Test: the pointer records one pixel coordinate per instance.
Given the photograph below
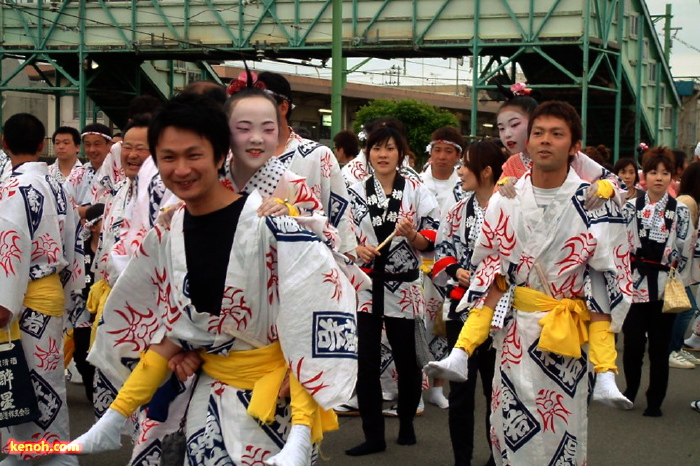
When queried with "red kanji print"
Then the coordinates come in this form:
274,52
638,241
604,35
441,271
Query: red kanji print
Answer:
365,307
326,164
432,307
489,236
47,247
512,347
254,456
622,263
527,261
413,182
580,248
505,235
570,288
161,281
550,407
358,171
409,213
233,308
487,271
334,279
495,399
10,253
304,196
454,220
273,279
227,184
313,384
218,387
50,357
140,327
272,334
146,425
411,300
316,190
9,189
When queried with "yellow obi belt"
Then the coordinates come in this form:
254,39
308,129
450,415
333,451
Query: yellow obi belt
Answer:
44,295
263,371
564,327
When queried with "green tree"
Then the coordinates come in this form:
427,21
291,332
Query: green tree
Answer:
421,120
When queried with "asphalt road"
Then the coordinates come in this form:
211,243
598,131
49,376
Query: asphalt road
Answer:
617,438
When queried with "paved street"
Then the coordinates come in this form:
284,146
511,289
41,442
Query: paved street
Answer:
617,438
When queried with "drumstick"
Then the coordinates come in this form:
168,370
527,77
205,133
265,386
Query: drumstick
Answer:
387,240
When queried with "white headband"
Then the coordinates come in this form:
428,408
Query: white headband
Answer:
95,133
86,233
429,147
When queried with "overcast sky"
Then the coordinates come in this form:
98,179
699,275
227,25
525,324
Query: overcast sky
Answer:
685,59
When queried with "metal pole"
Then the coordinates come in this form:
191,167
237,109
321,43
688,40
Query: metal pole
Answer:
585,68
667,34
337,82
475,71
82,92
618,85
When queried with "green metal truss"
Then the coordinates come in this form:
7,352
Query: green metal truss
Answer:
592,53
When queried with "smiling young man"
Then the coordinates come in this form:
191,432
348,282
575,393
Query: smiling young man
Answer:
253,295
567,287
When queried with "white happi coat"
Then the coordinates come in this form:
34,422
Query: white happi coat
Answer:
5,167
78,185
678,252
37,239
128,216
319,167
456,240
282,284
403,299
539,404
55,171
446,197
109,177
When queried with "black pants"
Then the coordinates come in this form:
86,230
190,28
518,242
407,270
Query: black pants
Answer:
81,336
400,333
462,395
647,319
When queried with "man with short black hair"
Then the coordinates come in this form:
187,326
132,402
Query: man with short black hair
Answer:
39,274
66,144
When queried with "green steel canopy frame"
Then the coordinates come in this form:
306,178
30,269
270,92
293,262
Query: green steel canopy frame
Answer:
601,55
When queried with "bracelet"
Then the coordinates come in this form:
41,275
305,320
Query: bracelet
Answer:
293,212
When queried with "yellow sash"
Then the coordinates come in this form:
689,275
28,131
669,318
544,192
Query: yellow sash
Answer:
99,292
263,370
427,265
44,295
563,328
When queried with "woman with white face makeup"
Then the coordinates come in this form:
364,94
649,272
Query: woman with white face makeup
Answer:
513,128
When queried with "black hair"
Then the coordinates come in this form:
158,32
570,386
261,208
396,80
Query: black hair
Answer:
382,135
141,120
24,133
94,211
680,157
143,104
67,130
482,154
562,110
247,93
624,163
210,89
192,112
98,128
448,133
347,141
658,155
280,87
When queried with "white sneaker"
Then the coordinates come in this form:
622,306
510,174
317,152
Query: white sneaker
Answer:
393,411
689,357
677,361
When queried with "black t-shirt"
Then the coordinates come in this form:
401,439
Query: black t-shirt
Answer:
208,242
89,275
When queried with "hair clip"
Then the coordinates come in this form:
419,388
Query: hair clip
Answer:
245,80
520,89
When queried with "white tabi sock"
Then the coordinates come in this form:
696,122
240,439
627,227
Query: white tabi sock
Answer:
606,392
454,367
436,397
104,435
297,450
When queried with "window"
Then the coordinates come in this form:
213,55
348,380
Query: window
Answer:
651,67
633,25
